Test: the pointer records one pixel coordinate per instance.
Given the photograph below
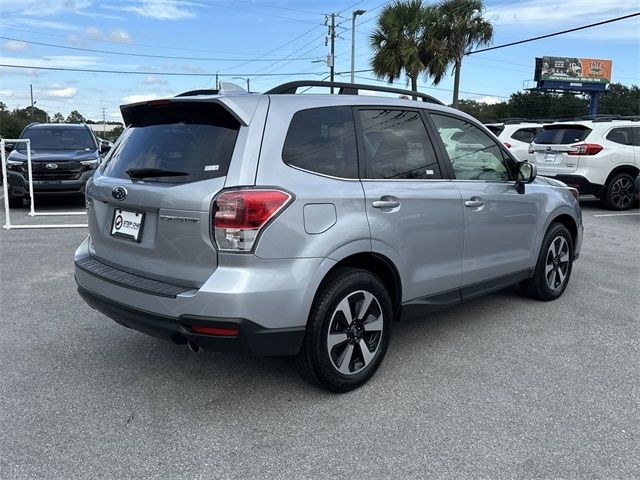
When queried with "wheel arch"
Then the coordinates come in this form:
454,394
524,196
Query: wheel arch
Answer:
379,265
569,222
630,169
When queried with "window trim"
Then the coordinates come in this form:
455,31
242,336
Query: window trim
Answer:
510,165
445,173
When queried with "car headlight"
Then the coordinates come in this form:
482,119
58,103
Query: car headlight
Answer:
14,164
90,163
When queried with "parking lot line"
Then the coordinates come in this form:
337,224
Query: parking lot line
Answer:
615,214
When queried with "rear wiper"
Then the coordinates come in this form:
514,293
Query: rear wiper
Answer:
153,172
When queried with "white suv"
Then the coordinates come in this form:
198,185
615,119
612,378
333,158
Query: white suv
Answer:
599,157
517,135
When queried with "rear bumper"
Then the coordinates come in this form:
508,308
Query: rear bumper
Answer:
584,186
251,339
18,185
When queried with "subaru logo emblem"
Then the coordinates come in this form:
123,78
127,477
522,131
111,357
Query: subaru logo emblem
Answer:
51,166
548,148
119,193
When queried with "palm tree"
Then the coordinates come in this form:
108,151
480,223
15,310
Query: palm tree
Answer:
406,40
465,28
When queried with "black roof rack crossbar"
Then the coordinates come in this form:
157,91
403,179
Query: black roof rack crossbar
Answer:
347,89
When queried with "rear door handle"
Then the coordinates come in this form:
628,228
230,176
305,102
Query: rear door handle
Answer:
385,204
475,202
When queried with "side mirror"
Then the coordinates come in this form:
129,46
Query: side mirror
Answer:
104,148
525,173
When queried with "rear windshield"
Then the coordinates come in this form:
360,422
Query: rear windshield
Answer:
189,141
58,138
495,129
562,134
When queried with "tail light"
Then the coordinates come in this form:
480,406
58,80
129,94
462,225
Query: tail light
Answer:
585,149
575,193
217,331
508,145
531,152
240,215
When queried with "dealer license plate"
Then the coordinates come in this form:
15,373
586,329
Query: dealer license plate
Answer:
127,224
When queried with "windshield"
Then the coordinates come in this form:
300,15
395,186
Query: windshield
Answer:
562,134
56,138
190,142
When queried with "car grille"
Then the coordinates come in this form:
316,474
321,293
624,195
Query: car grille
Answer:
70,170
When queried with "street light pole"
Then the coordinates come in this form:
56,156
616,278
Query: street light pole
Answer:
354,14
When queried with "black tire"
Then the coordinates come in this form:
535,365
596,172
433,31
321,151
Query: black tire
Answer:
619,193
316,361
16,202
538,286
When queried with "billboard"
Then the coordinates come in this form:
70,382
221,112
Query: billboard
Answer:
572,69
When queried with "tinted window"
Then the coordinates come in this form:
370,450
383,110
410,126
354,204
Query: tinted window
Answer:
562,134
495,129
195,139
396,145
623,136
323,140
58,138
473,154
526,135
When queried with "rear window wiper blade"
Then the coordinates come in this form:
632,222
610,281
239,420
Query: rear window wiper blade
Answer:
154,172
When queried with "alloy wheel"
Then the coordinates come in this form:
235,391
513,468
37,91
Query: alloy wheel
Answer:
355,332
622,192
557,263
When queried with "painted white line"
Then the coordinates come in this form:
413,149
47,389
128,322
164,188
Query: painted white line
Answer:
615,214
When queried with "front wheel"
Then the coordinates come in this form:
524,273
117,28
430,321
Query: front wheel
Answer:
554,265
619,192
348,331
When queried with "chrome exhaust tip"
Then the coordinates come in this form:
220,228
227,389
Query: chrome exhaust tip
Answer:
193,346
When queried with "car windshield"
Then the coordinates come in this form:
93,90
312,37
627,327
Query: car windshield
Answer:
56,138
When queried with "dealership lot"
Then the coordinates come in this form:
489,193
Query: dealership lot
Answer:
500,387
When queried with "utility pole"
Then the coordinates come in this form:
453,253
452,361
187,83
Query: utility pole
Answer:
32,112
333,48
104,121
217,82
354,14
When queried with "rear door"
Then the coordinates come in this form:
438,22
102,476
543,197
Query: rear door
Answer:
554,148
414,212
149,204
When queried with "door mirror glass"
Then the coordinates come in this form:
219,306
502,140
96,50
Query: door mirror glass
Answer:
526,172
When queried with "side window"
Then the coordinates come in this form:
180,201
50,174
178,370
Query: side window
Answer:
473,154
525,134
636,139
397,146
323,140
623,136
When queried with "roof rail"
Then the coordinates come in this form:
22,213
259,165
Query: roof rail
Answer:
347,89
202,91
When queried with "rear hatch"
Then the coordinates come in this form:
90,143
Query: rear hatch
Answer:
149,203
555,149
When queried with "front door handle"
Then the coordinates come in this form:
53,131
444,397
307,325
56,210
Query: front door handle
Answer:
385,204
475,203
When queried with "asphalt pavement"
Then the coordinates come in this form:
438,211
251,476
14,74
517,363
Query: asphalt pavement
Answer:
501,387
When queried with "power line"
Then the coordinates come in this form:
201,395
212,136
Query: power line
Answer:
176,74
145,55
540,37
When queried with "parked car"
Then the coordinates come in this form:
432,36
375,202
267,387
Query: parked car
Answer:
517,136
63,158
290,224
599,157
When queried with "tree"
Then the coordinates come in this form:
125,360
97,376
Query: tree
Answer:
75,117
57,118
406,40
464,28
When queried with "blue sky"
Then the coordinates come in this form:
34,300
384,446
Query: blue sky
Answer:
277,37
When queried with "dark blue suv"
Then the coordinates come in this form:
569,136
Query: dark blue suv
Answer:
63,158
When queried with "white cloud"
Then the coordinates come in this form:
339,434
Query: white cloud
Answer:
61,92
65,61
154,80
38,8
159,9
120,35
14,45
140,97
488,100
93,33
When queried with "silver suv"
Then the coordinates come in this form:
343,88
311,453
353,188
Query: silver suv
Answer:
289,224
